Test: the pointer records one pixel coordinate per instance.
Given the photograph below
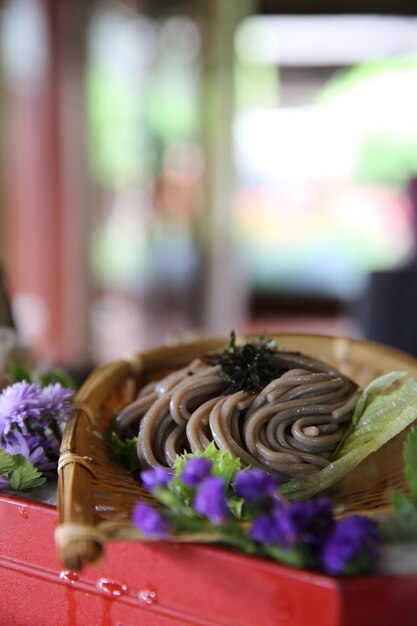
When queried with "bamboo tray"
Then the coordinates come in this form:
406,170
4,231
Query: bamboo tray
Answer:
96,496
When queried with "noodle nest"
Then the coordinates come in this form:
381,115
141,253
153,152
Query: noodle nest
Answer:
290,427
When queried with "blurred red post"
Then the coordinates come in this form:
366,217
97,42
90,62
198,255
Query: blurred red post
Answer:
45,238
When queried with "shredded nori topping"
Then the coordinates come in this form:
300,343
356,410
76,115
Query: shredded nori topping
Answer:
246,367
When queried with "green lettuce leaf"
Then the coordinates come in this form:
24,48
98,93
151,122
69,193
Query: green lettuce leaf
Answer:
380,414
410,460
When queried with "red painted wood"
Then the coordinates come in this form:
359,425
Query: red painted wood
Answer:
162,584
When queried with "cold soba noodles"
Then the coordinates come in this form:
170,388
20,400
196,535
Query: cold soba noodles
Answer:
281,411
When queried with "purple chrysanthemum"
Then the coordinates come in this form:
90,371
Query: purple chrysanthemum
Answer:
42,453
18,403
211,501
34,448
150,522
254,484
156,477
195,471
354,539
56,400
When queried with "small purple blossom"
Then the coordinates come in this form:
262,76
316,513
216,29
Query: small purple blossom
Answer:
211,500
354,538
150,522
56,400
289,524
312,520
253,485
266,530
195,471
156,477
18,403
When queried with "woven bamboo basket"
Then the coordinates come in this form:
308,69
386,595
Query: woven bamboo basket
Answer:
96,496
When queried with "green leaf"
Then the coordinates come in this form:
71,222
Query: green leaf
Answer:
404,523
17,373
24,475
410,459
6,462
124,452
173,500
296,556
236,506
379,417
358,565
224,464
60,376
402,505
183,492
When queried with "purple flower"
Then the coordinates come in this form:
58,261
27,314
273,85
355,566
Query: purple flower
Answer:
18,403
254,484
312,520
195,471
353,545
56,400
29,408
211,501
34,448
150,522
265,529
306,522
156,477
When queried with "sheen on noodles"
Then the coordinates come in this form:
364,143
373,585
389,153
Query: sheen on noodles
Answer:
290,426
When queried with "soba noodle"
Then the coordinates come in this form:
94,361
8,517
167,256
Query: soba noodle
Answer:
290,427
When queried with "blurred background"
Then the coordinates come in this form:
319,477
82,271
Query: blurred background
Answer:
177,168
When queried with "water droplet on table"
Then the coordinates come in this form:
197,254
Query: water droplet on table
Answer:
68,576
23,512
148,596
112,588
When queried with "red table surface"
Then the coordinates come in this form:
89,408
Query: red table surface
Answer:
161,584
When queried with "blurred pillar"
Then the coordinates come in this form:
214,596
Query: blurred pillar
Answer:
225,292
45,172
75,196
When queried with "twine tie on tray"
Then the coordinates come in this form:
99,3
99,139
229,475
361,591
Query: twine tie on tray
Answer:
65,534
70,457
